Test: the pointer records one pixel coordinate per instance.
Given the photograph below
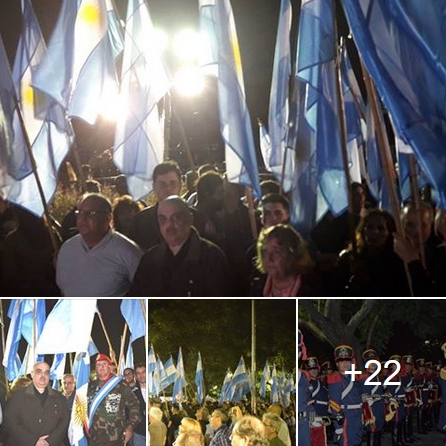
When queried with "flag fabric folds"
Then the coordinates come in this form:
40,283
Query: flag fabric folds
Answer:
180,379
315,66
87,74
134,314
278,115
199,380
68,327
390,35
27,320
14,159
170,373
264,379
139,137
224,394
275,391
217,20
79,415
47,130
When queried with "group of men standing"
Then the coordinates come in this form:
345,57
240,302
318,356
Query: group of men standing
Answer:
387,396
37,415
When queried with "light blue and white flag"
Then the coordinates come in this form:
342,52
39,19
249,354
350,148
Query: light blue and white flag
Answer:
199,380
68,327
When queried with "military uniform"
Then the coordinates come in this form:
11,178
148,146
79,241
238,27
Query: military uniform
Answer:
373,407
116,411
345,400
303,431
318,404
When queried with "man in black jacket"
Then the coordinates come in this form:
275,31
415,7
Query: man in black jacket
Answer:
37,415
184,264
140,391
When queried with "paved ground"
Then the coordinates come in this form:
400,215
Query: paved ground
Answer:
433,438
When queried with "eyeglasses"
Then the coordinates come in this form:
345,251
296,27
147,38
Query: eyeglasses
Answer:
88,214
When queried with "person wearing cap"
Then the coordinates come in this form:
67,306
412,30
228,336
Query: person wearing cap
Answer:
318,401
112,405
441,424
411,398
421,381
345,398
303,428
397,390
36,415
373,407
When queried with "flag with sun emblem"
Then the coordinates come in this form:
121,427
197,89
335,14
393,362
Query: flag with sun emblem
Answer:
78,427
88,76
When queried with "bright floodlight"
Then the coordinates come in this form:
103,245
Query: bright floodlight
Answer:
186,45
111,105
189,81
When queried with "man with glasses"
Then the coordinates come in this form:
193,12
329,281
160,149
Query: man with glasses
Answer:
37,415
98,261
222,434
184,264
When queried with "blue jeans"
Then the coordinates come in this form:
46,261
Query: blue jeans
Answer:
138,440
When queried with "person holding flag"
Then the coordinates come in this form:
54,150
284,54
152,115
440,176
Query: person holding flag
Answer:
113,408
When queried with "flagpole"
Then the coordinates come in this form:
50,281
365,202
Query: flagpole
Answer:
141,301
386,161
343,135
112,352
2,322
121,353
253,358
167,110
47,218
282,179
252,219
417,203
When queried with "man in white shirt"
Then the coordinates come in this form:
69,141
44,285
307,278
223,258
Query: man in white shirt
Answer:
98,261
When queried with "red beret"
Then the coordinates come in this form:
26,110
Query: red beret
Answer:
102,357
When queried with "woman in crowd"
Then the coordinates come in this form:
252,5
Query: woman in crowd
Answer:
375,269
249,431
283,257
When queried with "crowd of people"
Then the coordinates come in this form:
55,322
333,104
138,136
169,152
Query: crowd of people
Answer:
35,414
209,239
182,424
400,398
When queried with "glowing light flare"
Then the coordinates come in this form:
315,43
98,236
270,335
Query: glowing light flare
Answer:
187,45
112,104
189,81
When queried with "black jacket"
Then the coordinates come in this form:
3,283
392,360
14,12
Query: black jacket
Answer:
199,269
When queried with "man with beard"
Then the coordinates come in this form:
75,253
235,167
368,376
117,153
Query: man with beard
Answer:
184,264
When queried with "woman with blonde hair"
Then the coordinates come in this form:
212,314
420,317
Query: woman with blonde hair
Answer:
285,261
189,424
249,431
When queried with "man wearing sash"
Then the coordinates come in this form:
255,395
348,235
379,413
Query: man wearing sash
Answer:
113,408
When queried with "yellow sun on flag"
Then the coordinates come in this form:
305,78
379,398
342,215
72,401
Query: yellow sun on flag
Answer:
80,411
28,95
89,14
